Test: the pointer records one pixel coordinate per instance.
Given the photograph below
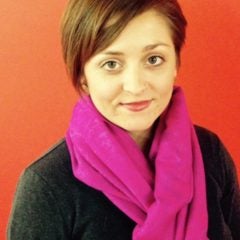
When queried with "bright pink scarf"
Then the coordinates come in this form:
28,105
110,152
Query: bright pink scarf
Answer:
167,204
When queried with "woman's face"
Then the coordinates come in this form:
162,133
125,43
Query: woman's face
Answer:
131,81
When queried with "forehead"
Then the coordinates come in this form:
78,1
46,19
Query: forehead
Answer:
147,28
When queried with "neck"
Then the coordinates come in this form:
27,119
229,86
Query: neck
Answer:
141,138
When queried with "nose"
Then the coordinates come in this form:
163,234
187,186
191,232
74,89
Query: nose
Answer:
134,82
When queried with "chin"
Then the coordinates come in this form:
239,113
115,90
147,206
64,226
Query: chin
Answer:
137,127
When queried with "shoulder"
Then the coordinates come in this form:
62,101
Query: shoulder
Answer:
51,202
57,156
206,137
39,208
49,198
223,195
52,174
53,169
49,179
53,163
210,144
218,163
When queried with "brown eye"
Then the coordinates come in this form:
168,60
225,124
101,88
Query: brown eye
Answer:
155,60
111,65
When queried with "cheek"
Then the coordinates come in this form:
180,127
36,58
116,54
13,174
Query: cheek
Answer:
163,87
162,102
99,87
103,90
163,92
164,78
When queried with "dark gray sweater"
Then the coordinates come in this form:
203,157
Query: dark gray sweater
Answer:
50,204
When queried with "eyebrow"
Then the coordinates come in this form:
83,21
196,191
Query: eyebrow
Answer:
152,46
146,48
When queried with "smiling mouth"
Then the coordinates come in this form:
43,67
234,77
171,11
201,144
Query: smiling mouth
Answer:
137,106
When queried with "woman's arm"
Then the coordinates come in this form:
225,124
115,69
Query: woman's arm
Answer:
230,201
35,213
223,194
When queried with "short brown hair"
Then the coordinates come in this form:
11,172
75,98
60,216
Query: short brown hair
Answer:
89,26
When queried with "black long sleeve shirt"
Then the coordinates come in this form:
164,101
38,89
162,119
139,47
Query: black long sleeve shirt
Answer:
50,204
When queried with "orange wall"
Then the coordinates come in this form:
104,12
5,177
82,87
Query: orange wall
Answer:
36,97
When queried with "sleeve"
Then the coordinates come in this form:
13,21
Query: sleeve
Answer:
35,213
230,201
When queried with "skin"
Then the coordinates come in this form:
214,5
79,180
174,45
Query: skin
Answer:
140,65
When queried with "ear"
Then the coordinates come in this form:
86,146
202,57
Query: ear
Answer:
176,69
84,85
175,74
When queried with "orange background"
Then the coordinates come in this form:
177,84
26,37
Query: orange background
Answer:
36,98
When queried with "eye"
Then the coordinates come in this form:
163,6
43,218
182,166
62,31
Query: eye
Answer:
155,60
111,65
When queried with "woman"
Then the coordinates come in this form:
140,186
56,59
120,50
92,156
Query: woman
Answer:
132,165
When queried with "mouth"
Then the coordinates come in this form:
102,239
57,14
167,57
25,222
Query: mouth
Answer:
137,106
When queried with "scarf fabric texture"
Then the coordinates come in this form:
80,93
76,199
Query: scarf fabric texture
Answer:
167,201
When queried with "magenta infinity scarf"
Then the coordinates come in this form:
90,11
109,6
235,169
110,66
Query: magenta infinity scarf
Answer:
167,204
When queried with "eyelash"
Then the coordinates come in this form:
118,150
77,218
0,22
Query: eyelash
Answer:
105,65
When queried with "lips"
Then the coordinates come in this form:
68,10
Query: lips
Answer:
137,106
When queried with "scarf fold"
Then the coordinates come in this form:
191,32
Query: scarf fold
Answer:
168,203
